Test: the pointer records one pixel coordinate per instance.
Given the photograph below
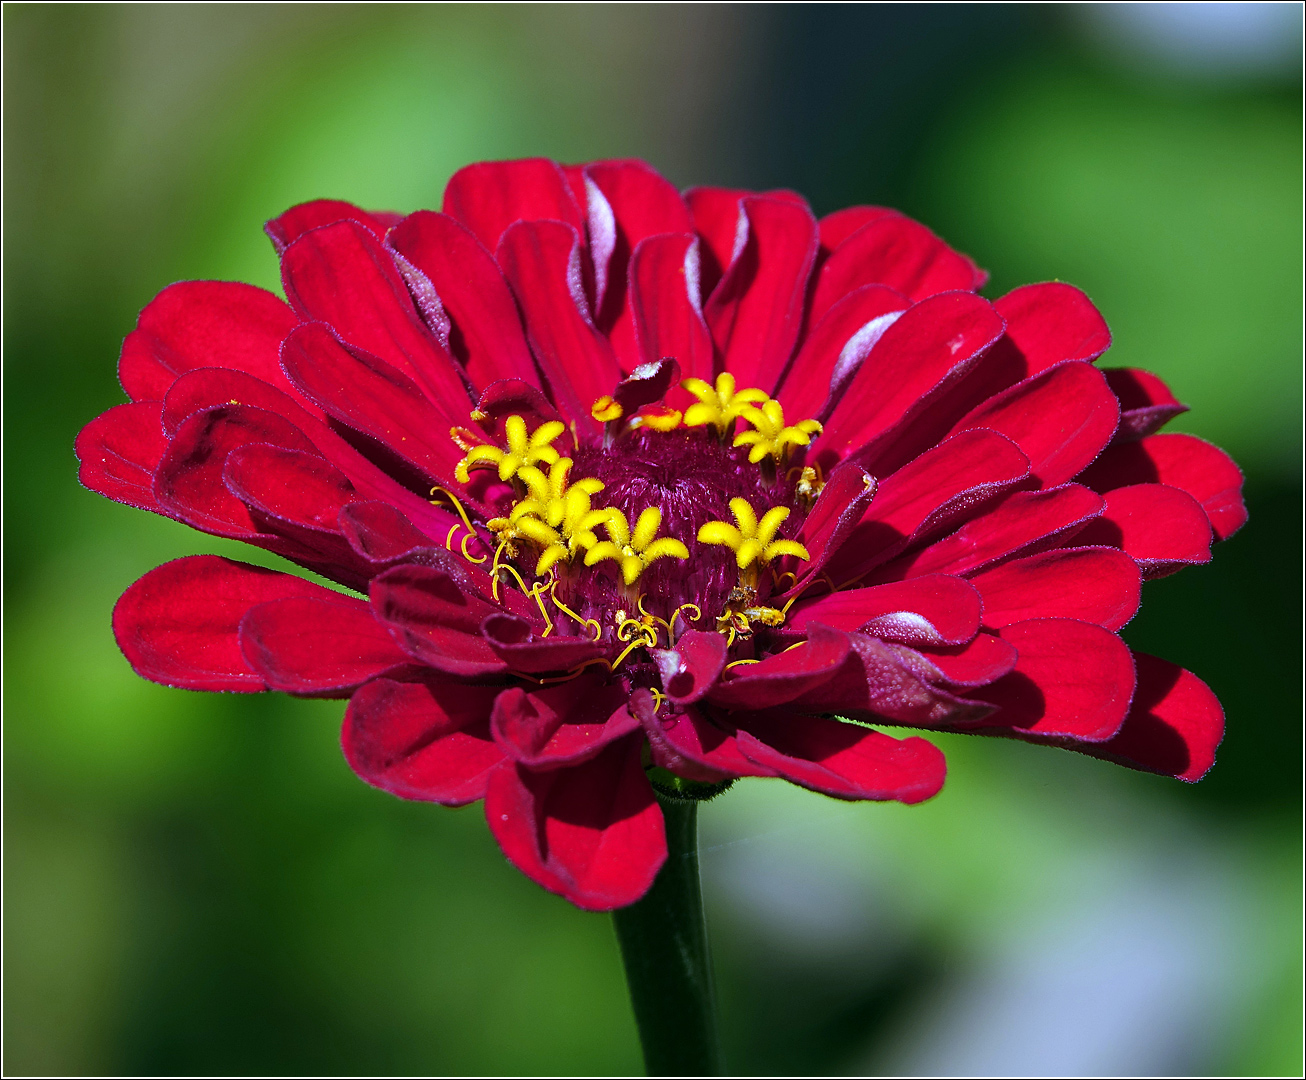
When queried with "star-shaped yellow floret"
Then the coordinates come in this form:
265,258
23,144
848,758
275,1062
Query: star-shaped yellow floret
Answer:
721,405
633,551
751,540
523,450
556,516
770,436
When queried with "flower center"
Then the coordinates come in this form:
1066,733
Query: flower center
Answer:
670,522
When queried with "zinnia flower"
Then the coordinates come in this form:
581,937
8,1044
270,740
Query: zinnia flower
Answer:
624,487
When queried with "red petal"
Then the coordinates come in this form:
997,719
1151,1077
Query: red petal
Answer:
290,485
1145,402
487,334
188,482
325,648
196,324
931,344
983,660
723,227
933,610
879,683
342,275
1093,584
692,746
836,347
844,760
436,620
837,510
561,725
1072,679
422,740
119,451
1024,522
667,312
206,388
893,250
515,641
1062,419
1206,472
489,196
379,532
541,260
1163,528
290,226
953,480
642,204
756,311
592,833
692,667
373,398
1174,724
178,624
783,676
1052,322
837,227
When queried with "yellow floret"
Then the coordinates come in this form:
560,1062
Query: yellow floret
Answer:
523,450
770,436
634,551
721,405
752,541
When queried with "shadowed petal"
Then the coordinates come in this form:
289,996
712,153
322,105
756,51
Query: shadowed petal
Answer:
1093,584
556,726
286,228
178,625
119,451
489,196
425,740
1162,528
932,610
592,833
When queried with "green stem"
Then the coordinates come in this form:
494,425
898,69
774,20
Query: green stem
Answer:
668,968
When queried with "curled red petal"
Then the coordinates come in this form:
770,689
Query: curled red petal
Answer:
516,641
541,260
1071,679
930,345
722,225
836,347
317,647
592,833
844,760
691,667
879,683
835,228
372,398
426,740
486,332
178,625
756,311
783,676
1093,584
286,228
1145,402
562,725
1186,462
490,196
843,500
118,452
666,309
344,276
643,204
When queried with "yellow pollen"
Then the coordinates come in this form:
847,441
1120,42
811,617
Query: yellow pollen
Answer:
634,551
523,450
605,409
721,405
770,436
752,541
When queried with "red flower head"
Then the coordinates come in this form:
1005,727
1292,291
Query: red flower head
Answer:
649,489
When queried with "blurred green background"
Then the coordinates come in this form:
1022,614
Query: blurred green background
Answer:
197,883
